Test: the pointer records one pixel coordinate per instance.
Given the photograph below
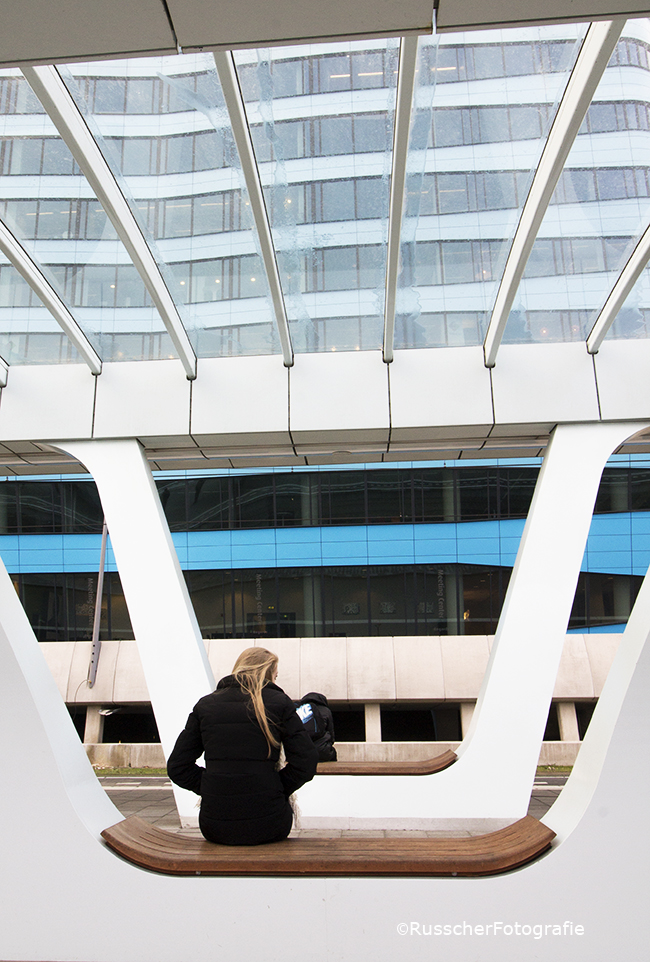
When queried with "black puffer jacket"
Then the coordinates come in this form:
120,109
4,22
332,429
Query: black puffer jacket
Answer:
244,800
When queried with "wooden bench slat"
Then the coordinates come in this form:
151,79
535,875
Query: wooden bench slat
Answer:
427,766
169,853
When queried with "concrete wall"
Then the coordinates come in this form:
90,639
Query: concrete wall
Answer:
366,671
151,756
402,669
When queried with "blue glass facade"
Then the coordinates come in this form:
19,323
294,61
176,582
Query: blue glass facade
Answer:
270,538
617,544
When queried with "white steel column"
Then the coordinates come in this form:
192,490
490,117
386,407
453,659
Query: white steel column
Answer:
48,86
408,58
169,641
593,58
514,700
619,293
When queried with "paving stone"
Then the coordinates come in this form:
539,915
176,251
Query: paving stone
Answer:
152,799
315,833
364,833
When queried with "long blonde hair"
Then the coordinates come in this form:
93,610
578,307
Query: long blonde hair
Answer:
254,669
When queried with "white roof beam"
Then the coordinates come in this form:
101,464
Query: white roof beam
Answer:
31,272
242,137
4,372
408,58
71,125
619,292
597,48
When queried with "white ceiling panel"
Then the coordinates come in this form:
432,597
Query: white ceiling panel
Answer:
544,382
459,15
215,24
38,31
48,401
135,398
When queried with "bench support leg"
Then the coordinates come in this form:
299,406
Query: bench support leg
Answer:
166,630
513,703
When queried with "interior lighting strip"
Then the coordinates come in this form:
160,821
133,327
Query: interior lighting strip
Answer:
619,292
71,125
31,272
597,48
408,58
242,137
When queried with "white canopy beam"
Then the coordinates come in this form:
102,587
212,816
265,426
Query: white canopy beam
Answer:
31,272
620,292
242,137
597,48
71,125
408,58
4,372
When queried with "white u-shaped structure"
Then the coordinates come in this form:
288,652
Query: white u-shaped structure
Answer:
479,791
67,897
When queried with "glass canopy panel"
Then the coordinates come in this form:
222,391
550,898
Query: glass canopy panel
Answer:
321,119
163,127
633,319
28,332
483,107
598,211
51,210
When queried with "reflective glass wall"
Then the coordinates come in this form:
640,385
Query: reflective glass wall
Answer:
327,602
308,499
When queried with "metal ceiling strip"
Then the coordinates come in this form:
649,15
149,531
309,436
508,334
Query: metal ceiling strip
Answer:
32,273
242,137
408,58
596,50
71,125
626,280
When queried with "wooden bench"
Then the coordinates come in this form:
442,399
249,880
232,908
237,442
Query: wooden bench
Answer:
427,766
172,854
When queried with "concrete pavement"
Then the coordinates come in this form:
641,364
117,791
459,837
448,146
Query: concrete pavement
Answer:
151,798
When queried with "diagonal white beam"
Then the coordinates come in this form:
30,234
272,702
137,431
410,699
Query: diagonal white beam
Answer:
4,372
242,137
597,48
619,293
408,58
31,272
71,125
522,670
174,658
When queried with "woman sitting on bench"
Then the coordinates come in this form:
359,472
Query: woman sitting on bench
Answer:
240,727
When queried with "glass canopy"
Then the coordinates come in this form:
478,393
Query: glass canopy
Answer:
482,113
322,129
599,210
166,135
265,210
